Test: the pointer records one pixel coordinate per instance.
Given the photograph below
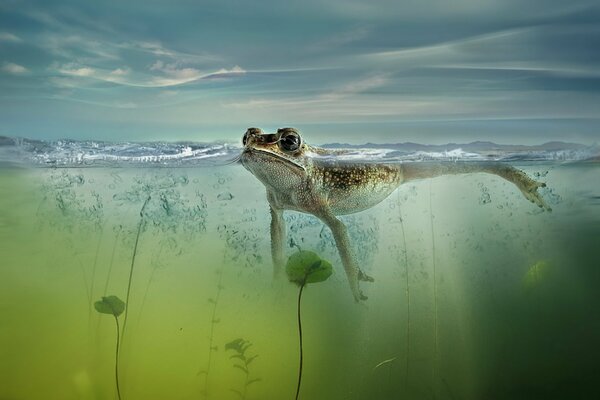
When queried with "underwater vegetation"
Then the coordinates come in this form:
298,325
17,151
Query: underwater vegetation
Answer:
114,306
213,321
435,365
240,347
302,268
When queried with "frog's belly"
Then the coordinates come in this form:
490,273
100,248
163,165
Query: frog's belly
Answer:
350,201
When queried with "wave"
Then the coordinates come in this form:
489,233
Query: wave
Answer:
75,153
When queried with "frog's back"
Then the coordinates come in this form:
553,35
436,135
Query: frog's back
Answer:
349,187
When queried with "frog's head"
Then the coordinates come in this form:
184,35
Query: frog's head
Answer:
275,158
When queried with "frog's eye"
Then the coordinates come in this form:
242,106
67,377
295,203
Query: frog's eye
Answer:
290,141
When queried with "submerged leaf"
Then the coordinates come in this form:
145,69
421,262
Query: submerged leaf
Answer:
250,359
241,367
307,267
251,381
240,345
111,305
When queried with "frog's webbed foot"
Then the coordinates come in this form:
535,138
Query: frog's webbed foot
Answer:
529,188
364,277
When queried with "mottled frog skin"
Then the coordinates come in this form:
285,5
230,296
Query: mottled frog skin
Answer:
298,177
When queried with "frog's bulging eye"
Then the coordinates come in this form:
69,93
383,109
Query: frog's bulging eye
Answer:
290,141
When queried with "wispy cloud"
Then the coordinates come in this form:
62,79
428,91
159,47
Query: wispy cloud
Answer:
9,37
159,74
509,49
325,102
13,68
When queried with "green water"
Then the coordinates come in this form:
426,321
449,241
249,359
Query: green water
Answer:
477,294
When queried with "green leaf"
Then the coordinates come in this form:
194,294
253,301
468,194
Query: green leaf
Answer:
307,267
240,345
251,381
111,305
241,367
250,359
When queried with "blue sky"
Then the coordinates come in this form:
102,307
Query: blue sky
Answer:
347,71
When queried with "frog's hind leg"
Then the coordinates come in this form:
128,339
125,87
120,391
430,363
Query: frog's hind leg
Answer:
527,186
342,242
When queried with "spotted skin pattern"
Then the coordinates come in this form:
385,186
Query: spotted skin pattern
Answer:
297,177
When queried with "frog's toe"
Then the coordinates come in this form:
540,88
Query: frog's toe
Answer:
361,296
537,199
364,277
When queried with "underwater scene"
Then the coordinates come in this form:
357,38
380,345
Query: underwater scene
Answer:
143,271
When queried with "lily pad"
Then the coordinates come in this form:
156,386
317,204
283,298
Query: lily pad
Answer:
307,267
111,305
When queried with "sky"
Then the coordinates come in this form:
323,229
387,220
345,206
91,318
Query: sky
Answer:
354,71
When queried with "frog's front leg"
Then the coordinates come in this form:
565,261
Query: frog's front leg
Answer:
277,239
342,241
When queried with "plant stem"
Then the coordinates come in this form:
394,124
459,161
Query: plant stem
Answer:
117,360
212,327
300,336
137,238
93,279
112,259
435,303
407,299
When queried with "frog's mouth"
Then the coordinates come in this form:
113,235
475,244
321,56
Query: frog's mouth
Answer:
251,151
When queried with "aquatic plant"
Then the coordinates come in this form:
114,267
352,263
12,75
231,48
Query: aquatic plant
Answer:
305,267
240,347
114,306
163,208
141,224
213,321
435,367
407,292
80,212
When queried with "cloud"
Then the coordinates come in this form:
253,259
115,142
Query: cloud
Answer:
344,100
9,37
13,68
174,73
169,74
558,50
356,87
120,72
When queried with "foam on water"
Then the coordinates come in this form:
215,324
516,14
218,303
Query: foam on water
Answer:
70,153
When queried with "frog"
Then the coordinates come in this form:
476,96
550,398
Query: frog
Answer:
314,180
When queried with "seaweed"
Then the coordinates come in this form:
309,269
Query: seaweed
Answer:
114,306
242,362
305,267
